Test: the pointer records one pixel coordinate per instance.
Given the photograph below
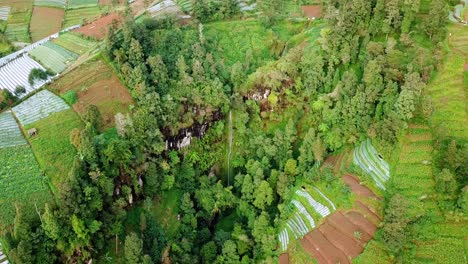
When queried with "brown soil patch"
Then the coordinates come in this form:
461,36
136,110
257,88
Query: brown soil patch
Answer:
313,251
359,220
95,83
138,7
350,246
312,11
345,225
328,251
466,65
284,258
357,188
109,2
368,212
45,21
98,28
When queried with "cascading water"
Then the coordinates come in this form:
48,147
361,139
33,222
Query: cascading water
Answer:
230,147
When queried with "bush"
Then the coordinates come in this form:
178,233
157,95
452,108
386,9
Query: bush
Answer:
36,74
70,97
20,90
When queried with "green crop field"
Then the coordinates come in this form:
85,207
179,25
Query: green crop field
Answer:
80,15
21,181
52,145
53,56
51,3
74,42
81,3
185,5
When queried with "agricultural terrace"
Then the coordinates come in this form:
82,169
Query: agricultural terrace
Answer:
81,15
448,91
51,3
370,161
21,181
233,40
81,3
4,12
39,106
52,145
95,83
74,43
16,73
185,5
18,22
53,56
45,21
10,133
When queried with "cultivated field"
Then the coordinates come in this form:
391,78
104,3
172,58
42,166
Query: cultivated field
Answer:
45,21
21,181
51,3
81,3
52,145
366,157
74,43
98,29
18,21
95,83
53,56
39,106
81,15
10,133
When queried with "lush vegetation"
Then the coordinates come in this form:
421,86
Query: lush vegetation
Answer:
264,113
78,16
53,56
74,43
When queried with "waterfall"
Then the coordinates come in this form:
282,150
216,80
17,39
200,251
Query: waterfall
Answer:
230,147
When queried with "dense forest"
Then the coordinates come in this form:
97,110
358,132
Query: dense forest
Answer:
362,77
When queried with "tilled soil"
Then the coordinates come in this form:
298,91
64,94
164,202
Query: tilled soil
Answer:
357,188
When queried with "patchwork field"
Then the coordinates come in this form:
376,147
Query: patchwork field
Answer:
81,15
52,145
45,21
370,161
18,21
54,57
74,43
95,83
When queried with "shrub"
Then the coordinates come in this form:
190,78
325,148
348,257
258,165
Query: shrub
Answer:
36,74
70,97
20,90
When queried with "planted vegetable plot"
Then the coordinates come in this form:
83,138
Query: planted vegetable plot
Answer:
39,106
80,3
53,56
10,133
51,3
21,181
74,43
367,158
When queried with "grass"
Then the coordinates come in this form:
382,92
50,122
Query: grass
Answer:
52,145
21,181
166,210
235,38
80,15
74,42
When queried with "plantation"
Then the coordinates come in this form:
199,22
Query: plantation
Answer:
39,106
185,5
18,21
21,181
52,146
367,158
74,43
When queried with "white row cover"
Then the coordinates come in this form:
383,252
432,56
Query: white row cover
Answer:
10,133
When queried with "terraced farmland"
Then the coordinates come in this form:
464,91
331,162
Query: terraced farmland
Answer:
51,3
80,15
39,106
21,180
366,157
185,5
10,133
53,56
74,43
